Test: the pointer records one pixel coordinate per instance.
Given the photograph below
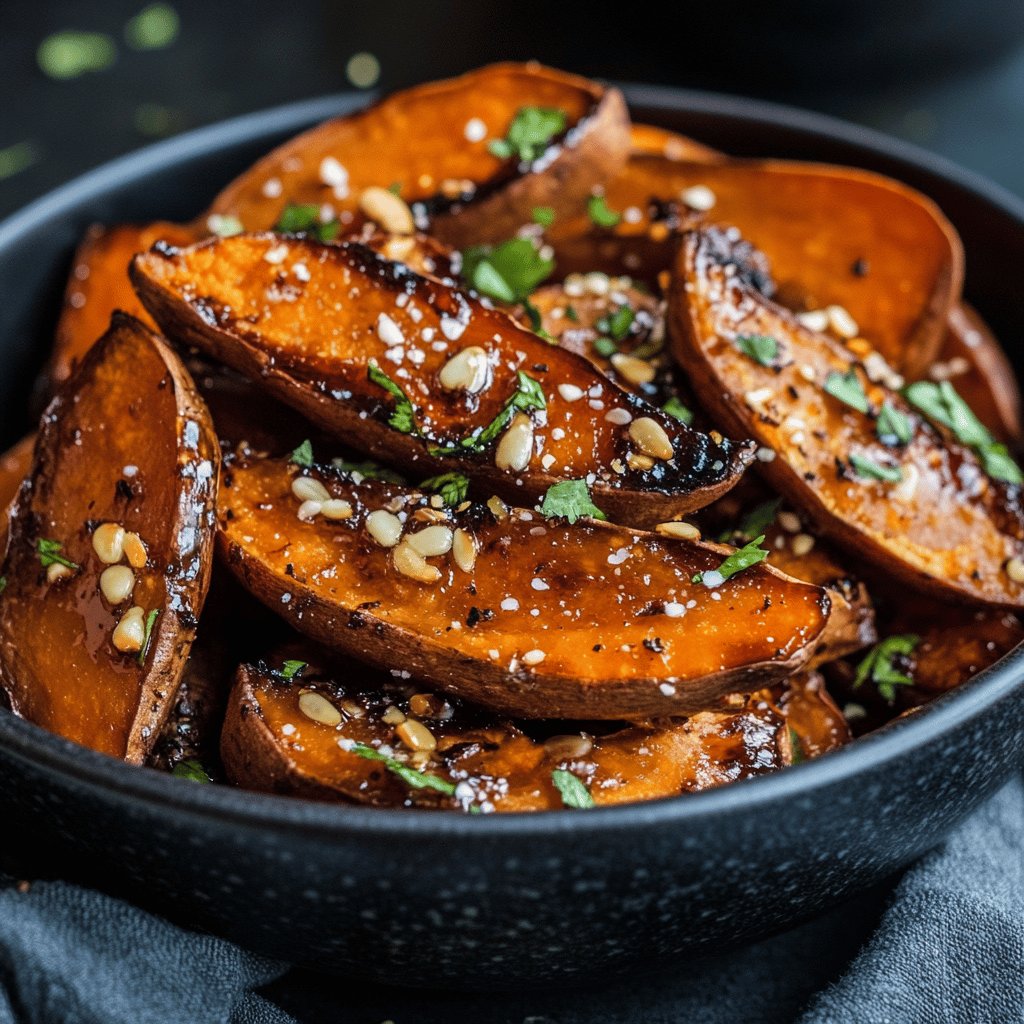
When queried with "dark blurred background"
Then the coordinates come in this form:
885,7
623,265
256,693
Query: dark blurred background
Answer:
82,82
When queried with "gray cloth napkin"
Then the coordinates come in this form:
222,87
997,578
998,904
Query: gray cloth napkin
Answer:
946,944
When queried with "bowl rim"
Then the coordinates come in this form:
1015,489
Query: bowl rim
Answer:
327,821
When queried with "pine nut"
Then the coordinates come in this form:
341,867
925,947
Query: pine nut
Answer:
650,437
135,551
516,445
416,736
388,210
802,544
698,197
309,510
431,541
641,463
392,716
534,657
814,320
336,508
307,488
130,633
318,708
117,583
409,562
426,705
789,521
596,283
1015,570
841,322
465,371
568,748
682,531
636,371
497,507
108,542
57,571
384,527
464,549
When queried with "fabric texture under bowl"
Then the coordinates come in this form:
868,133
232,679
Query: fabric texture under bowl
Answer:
421,898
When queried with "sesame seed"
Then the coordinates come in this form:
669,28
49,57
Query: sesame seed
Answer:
620,417
534,657
841,322
814,319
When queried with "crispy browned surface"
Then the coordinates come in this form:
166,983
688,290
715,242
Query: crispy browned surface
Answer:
98,284
946,527
589,598
270,744
650,140
977,366
311,343
814,222
130,404
417,138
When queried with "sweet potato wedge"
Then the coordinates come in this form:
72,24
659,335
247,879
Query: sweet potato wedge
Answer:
126,445
975,362
310,736
527,616
99,284
364,348
435,143
833,235
650,140
925,510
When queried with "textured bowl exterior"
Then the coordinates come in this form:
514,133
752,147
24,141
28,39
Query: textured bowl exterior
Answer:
417,898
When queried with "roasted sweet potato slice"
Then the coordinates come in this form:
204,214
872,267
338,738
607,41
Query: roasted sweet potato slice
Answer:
833,236
418,373
650,140
975,362
99,284
120,501
528,616
925,510
310,735
436,144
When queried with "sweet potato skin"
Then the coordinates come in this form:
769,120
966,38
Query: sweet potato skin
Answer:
269,744
952,534
475,634
423,139
130,404
310,343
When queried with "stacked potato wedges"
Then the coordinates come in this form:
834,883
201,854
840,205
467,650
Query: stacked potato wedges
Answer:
548,461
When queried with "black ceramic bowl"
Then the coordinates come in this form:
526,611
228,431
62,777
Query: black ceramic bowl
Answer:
428,898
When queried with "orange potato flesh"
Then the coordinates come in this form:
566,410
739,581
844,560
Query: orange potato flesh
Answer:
270,743
551,620
432,143
650,140
945,527
311,342
126,441
833,235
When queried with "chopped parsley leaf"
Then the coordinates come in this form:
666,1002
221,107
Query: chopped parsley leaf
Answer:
453,487
847,388
402,418
866,467
304,218
893,427
291,668
997,462
48,551
191,769
617,324
303,455
529,134
368,470
507,272
572,789
544,216
601,214
878,668
796,746
570,499
528,395
410,776
676,408
762,348
150,622
536,321
605,347
757,520
742,558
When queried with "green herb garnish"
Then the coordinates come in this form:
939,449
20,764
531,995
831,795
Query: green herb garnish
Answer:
529,134
291,668
866,467
757,520
847,388
605,347
676,408
997,462
453,487
601,214
796,746
17,157
191,769
368,470
528,395
402,418
48,551
570,499
743,558
877,667
893,427
506,272
3,584
410,776
571,314
617,324
304,218
762,348
150,622
537,321
544,216
572,789
303,455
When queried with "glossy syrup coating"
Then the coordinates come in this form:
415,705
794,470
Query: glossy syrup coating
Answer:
279,738
312,322
833,235
432,144
126,442
545,620
944,525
